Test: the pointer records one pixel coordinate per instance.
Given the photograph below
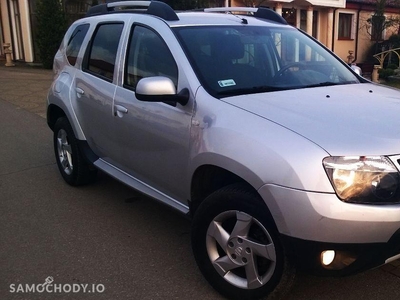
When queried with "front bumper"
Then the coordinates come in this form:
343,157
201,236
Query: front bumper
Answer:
362,236
349,259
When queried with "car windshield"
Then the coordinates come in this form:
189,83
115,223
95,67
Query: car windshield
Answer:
253,59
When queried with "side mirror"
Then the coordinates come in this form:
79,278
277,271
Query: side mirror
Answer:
160,89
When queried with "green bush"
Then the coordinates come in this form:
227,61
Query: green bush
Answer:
385,73
392,66
51,26
394,40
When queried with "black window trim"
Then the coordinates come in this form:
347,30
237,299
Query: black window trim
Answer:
70,40
125,71
85,61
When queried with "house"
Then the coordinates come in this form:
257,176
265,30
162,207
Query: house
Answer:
17,25
16,28
356,30
346,27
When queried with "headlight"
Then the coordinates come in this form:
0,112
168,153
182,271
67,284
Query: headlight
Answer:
364,179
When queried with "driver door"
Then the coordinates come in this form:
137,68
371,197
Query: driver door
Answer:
153,136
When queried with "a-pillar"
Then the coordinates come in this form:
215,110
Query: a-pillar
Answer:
278,42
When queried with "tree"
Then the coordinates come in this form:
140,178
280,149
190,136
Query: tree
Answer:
378,22
51,26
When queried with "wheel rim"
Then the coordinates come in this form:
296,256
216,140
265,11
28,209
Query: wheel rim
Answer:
241,249
64,152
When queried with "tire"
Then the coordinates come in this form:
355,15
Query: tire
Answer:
71,163
237,247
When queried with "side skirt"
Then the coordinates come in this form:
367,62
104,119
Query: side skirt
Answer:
139,185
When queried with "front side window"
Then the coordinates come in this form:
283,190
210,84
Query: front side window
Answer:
103,50
253,59
147,56
75,43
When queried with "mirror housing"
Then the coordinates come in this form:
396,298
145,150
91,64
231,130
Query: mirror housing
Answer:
160,89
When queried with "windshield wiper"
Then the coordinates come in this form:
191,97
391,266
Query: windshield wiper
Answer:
252,90
328,83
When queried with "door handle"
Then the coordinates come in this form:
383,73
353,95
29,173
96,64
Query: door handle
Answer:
79,92
120,110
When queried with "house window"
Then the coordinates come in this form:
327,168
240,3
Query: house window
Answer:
289,14
378,28
346,27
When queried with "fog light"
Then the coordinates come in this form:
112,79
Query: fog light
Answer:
327,257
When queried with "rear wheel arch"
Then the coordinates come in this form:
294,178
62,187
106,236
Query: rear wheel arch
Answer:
54,113
71,160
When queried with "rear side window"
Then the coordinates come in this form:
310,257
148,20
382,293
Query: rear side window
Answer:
75,43
103,50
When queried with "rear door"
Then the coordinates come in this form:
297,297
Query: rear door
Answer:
95,86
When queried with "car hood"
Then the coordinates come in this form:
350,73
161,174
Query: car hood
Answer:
353,119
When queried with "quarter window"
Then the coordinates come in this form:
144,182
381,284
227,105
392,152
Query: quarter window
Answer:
75,43
147,56
103,50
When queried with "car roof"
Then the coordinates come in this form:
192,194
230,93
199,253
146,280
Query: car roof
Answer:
210,16
217,18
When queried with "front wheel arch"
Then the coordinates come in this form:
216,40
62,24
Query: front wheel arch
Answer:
208,179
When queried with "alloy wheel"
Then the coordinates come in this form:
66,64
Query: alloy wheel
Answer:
241,249
64,152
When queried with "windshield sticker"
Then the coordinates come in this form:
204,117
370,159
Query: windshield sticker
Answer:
227,82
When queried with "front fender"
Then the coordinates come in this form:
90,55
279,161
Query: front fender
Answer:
253,148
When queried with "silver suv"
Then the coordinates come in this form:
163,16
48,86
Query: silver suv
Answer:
282,155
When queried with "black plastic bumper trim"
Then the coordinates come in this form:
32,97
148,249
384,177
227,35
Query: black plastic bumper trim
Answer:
306,254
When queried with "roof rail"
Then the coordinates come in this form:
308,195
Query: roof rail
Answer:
261,12
155,8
